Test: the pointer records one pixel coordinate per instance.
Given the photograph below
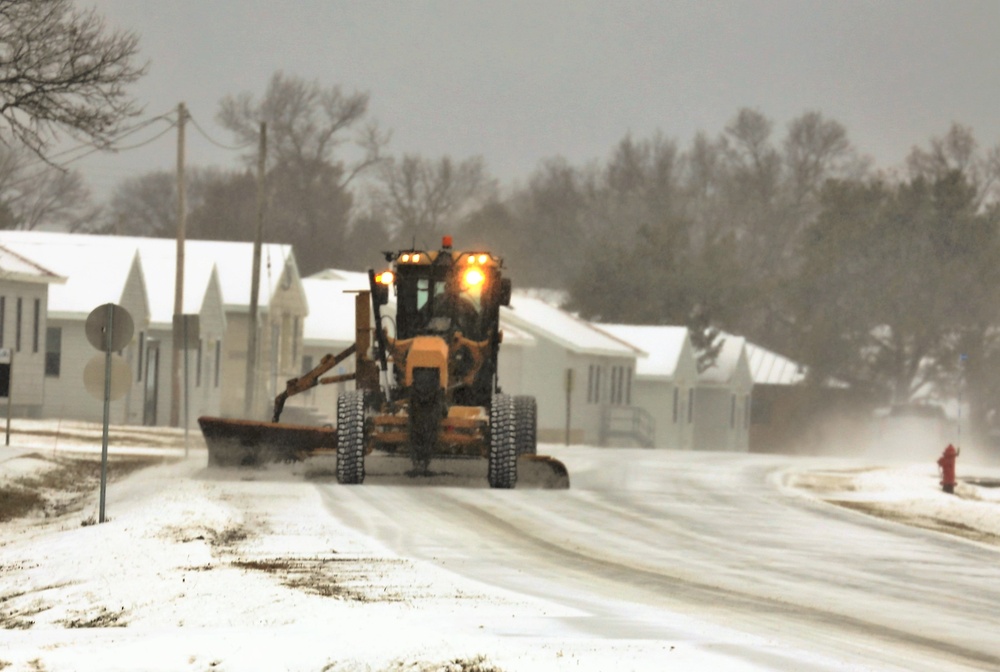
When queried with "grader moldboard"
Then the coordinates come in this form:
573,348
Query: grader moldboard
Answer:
440,398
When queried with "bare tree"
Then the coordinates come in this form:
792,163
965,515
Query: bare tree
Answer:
422,198
144,205
306,124
63,71
37,194
317,143
958,151
817,149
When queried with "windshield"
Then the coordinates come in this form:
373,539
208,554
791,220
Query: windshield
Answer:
438,305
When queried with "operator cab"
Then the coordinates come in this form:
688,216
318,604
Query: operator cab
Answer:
444,293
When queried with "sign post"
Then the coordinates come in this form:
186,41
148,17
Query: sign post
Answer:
6,381
109,329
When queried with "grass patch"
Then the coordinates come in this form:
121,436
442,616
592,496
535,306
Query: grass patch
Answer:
16,502
62,487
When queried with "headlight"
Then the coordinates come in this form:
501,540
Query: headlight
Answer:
385,278
473,277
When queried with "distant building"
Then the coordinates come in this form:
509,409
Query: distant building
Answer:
581,376
139,274
722,400
791,416
24,296
665,380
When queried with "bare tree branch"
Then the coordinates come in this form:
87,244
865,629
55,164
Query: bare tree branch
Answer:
62,71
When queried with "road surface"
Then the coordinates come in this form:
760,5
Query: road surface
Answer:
647,542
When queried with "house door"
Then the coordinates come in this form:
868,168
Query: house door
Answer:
152,383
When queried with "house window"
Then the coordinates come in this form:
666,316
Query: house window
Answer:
295,338
3,315
690,405
197,365
590,384
17,324
53,351
746,412
732,411
628,386
36,325
677,402
142,342
218,361
307,363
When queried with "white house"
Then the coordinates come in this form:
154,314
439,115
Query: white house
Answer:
282,308
217,287
24,292
665,379
96,274
580,376
722,400
202,296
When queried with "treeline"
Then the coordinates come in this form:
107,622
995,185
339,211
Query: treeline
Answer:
883,280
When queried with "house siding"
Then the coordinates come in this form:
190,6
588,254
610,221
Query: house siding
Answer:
28,361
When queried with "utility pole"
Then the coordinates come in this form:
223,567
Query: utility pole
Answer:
175,361
258,241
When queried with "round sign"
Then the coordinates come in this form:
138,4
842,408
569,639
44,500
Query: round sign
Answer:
97,328
93,377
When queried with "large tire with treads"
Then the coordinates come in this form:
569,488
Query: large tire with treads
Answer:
503,442
351,437
526,425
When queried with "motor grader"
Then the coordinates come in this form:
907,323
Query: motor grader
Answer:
426,388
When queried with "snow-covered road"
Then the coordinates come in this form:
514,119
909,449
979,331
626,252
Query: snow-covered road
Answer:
652,560
644,536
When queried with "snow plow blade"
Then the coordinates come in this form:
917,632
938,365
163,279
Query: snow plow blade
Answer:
234,443
534,472
541,471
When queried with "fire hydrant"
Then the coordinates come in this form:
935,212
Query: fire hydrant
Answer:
947,464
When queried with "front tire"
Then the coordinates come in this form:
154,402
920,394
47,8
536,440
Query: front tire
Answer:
503,443
351,438
526,425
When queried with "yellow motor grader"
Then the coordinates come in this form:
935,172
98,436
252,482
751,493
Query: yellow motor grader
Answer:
429,389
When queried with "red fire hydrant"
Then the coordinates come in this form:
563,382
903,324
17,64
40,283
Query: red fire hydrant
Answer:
947,464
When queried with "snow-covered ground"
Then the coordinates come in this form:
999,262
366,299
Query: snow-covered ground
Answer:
248,570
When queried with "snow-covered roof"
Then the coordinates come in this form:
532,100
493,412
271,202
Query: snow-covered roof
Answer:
725,364
92,263
16,267
661,346
770,368
234,262
159,263
93,276
571,332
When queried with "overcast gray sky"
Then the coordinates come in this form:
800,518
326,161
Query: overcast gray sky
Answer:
517,81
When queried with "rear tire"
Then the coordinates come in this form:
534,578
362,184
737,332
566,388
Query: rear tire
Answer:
503,443
351,438
526,425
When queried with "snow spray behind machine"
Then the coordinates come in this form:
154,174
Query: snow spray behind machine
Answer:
430,391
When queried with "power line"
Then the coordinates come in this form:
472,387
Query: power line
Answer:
95,148
213,141
159,135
